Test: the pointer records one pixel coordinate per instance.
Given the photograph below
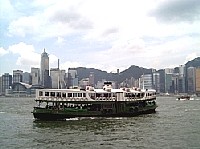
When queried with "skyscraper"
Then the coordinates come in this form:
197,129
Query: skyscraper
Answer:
6,82
191,79
35,75
17,76
44,70
197,75
91,79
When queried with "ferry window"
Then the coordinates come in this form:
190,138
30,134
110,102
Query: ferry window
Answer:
58,94
92,95
40,93
69,94
52,94
84,95
114,95
98,95
46,93
79,94
63,94
105,95
74,94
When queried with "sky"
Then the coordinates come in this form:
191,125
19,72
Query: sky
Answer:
101,34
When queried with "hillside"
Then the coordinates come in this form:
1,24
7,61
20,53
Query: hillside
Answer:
132,71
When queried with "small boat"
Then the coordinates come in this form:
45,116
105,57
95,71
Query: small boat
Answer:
184,97
61,104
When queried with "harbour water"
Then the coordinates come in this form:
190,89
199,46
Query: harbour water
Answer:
176,124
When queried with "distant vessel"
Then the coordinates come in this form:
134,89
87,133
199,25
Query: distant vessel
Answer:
185,97
60,104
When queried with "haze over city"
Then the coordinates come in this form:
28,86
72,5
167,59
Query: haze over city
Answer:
106,35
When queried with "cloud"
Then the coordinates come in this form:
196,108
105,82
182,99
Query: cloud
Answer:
191,57
29,57
53,61
177,11
3,51
70,64
71,18
107,34
27,54
60,40
24,25
8,12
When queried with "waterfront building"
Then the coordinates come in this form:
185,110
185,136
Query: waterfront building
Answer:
168,82
133,82
57,78
191,79
91,79
146,81
156,82
181,83
174,88
26,78
72,78
6,82
35,76
17,76
169,70
0,85
44,70
162,80
197,75
84,82
19,89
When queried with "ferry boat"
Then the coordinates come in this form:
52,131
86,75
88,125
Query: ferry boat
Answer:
61,104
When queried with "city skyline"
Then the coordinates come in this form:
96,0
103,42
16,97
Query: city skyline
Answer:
153,34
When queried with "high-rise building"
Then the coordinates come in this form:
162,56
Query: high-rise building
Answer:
146,81
197,81
57,78
169,70
191,79
6,82
35,76
83,83
91,79
0,85
162,80
26,78
156,82
72,78
181,83
168,82
44,70
175,87
17,76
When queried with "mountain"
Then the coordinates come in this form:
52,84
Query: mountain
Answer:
133,71
193,63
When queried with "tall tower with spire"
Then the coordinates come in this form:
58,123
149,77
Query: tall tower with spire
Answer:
44,70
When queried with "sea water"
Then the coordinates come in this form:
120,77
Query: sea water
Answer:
176,124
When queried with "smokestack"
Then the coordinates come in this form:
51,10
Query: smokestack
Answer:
58,63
